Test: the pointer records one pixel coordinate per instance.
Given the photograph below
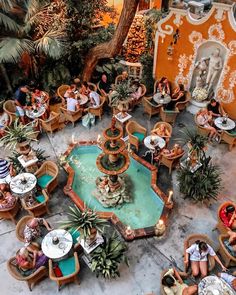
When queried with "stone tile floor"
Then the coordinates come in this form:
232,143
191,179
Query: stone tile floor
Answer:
147,257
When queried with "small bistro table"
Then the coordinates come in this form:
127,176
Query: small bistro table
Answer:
160,99
157,142
214,285
122,122
36,113
23,184
228,125
57,249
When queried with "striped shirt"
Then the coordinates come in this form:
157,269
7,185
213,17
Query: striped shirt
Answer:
4,168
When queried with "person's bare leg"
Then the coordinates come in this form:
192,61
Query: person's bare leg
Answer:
195,268
191,290
203,268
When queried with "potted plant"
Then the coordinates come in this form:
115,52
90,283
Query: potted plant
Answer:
120,96
18,136
107,258
87,222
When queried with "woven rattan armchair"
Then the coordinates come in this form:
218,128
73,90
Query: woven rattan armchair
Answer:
10,213
183,275
170,162
38,209
133,128
181,105
229,259
167,125
61,90
200,129
72,116
220,225
21,226
51,124
10,108
98,111
228,138
150,108
50,170
169,116
138,101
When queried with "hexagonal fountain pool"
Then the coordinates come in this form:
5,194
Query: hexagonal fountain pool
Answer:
140,215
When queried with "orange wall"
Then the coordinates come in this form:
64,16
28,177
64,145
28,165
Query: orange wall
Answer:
169,68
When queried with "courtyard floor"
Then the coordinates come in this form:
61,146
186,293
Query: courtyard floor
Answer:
147,257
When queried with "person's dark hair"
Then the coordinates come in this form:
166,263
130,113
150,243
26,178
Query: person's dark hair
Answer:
229,209
212,100
163,79
91,87
181,87
168,281
1,108
85,84
78,85
202,245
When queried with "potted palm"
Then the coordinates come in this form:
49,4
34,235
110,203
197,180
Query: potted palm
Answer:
18,136
120,96
87,222
107,258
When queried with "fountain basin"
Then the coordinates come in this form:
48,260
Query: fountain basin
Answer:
148,204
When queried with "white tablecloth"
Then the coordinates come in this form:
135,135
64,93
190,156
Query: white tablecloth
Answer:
158,142
228,126
23,183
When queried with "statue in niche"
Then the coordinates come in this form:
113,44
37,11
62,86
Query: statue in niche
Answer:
215,65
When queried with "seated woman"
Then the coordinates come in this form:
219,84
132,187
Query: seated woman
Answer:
94,98
122,78
104,85
163,86
7,200
4,120
198,253
35,230
204,119
39,97
137,90
162,131
229,279
177,96
173,284
72,89
28,260
215,108
175,151
84,90
72,102
228,216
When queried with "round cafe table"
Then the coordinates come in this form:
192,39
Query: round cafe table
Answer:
23,184
229,125
161,100
157,142
215,286
61,248
83,99
37,113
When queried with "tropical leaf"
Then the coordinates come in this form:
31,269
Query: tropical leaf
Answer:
6,5
8,23
33,7
11,49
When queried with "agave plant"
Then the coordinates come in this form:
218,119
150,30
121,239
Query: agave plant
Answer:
83,221
17,133
107,257
203,184
121,93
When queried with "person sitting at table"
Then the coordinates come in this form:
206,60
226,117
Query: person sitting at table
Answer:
177,96
29,260
84,90
175,151
94,97
137,93
6,171
21,101
4,120
35,230
122,78
163,86
229,279
228,216
72,88
173,284
204,119
104,85
7,200
39,97
198,253
72,102
215,108
162,131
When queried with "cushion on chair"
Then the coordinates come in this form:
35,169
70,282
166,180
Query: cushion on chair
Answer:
229,248
170,111
232,132
40,198
75,234
139,135
67,266
57,271
44,180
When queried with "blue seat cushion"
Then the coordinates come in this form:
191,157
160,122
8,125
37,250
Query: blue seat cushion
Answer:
40,198
170,111
67,266
139,135
44,180
75,234
232,132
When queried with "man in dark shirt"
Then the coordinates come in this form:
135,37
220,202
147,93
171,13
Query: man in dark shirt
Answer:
21,102
104,85
215,107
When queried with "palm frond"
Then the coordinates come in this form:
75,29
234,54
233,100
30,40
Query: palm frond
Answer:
8,23
11,49
33,8
51,44
7,5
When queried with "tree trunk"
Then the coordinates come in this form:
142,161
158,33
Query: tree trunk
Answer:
6,78
113,47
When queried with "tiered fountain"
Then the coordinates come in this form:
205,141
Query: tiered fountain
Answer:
113,188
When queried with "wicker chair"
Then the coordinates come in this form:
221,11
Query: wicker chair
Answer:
98,111
10,213
181,105
170,162
94,86
52,124
39,209
220,225
168,116
72,116
200,129
182,275
228,138
32,279
21,226
190,240
72,277
47,176
136,133
136,102
61,90
168,126
10,108
150,108
229,260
